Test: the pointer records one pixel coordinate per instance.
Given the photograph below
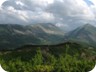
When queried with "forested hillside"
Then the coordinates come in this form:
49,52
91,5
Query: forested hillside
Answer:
68,57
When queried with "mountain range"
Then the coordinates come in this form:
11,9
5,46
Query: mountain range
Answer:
85,35
13,35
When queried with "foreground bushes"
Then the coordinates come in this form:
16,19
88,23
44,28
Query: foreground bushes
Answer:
51,63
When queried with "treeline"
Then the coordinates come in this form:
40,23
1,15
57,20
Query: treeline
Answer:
46,63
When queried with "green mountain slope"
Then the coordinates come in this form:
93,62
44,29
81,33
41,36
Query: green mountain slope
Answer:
85,35
12,35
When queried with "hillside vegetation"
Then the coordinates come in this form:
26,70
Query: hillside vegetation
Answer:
68,57
14,35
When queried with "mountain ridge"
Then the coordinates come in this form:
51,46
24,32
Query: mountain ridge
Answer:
12,35
84,34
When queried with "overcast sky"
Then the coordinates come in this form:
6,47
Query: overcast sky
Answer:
64,13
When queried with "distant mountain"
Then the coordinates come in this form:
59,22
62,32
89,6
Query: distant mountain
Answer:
48,28
85,35
13,35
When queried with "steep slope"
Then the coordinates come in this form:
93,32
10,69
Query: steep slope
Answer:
47,32
85,34
13,35
47,28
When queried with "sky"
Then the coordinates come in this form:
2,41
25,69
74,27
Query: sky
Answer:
66,14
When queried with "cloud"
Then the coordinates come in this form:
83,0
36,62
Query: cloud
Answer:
25,12
1,1
69,13
93,6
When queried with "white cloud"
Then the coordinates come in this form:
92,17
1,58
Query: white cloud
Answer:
93,1
93,7
72,12
1,1
68,13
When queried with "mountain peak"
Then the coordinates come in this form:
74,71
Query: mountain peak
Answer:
87,27
84,34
